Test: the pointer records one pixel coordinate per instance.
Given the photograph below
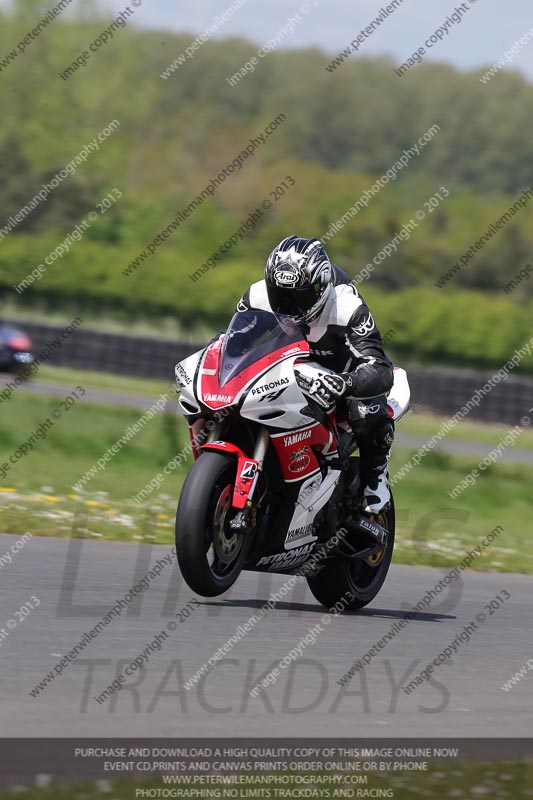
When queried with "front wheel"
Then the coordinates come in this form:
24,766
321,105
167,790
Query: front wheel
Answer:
355,582
210,554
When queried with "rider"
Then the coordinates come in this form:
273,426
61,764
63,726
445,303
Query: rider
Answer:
303,288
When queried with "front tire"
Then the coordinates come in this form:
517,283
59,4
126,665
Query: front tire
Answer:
210,555
363,578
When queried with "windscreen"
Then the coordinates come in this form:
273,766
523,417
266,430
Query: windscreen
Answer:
252,335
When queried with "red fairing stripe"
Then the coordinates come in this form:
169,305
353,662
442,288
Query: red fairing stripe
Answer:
294,451
213,395
247,471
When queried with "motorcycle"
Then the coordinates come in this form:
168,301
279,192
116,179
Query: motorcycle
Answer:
274,486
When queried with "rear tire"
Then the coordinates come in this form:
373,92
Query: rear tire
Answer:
210,555
360,577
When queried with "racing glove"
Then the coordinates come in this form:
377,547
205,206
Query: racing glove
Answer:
326,389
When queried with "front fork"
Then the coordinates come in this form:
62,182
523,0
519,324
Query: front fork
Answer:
247,475
261,447
247,517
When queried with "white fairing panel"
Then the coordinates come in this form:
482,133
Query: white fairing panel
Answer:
400,394
276,399
185,371
314,494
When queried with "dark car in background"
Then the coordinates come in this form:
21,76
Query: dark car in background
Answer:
15,349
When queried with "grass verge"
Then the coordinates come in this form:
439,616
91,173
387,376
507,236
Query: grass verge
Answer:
424,424
102,380
37,494
427,425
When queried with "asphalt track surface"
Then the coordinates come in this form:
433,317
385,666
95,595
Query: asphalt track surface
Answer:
464,699
143,402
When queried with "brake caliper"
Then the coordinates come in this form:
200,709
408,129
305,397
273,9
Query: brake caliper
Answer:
244,519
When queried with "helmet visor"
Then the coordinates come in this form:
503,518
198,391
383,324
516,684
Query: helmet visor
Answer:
294,303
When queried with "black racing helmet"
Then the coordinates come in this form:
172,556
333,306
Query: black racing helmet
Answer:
299,279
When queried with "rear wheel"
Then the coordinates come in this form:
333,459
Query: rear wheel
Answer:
210,554
363,578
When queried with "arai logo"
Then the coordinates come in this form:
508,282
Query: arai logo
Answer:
285,278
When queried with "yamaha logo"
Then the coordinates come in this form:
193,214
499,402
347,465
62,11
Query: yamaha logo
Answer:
297,437
218,398
300,533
